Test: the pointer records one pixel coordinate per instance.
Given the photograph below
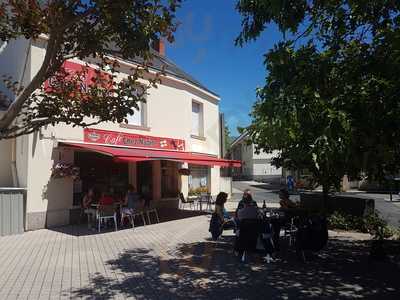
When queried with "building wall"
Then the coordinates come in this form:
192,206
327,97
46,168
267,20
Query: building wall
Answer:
5,164
256,166
14,61
22,148
168,115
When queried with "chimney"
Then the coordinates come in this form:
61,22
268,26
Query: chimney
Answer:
159,46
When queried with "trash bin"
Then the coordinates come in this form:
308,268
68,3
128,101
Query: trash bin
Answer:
12,211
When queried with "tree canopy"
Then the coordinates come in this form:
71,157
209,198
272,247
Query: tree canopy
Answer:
331,99
95,29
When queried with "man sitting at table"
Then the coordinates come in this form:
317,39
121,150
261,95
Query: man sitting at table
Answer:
106,199
246,198
249,211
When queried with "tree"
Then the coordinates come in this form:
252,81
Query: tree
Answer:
331,99
228,139
96,30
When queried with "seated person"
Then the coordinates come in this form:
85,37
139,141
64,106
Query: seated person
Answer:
285,202
87,201
249,211
133,200
248,228
105,199
247,198
225,219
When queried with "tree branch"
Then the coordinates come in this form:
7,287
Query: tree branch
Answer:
45,70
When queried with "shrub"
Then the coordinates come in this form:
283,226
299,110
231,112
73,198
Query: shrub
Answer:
338,221
371,223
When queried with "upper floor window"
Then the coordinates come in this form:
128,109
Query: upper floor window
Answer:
137,118
197,119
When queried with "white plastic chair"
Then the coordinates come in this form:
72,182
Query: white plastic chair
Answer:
106,212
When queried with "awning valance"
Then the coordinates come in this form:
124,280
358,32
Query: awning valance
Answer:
137,154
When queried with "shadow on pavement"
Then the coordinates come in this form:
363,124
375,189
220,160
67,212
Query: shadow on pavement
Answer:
165,215
209,270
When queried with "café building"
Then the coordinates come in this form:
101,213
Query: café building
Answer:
171,144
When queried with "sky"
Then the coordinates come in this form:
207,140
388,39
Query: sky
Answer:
205,48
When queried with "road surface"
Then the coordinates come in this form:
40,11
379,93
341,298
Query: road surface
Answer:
390,211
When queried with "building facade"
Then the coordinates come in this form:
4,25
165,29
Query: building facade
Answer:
255,166
177,128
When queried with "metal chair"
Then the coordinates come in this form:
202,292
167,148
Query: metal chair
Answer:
106,212
183,201
290,231
149,209
139,210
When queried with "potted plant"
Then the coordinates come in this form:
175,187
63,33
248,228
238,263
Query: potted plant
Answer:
63,170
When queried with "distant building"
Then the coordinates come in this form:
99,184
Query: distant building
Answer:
254,166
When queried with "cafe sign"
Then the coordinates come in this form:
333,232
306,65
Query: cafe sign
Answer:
132,140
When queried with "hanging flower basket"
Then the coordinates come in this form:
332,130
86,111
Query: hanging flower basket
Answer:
184,171
62,170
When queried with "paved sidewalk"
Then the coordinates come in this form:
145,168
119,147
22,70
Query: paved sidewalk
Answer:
177,260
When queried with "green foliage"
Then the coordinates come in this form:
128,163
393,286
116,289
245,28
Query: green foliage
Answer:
371,223
330,103
228,139
96,32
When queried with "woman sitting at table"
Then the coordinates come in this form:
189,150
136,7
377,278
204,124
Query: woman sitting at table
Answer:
226,220
132,201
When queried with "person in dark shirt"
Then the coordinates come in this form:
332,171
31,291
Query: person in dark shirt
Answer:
247,200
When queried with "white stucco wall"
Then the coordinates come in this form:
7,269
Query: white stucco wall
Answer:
263,167
14,60
5,164
255,165
22,148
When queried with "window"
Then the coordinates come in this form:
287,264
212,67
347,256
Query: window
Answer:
198,179
197,119
138,118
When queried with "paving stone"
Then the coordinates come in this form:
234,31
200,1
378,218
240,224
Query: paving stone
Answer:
178,260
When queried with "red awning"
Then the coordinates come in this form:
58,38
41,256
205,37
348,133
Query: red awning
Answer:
137,154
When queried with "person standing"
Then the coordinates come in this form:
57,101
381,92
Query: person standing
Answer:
290,183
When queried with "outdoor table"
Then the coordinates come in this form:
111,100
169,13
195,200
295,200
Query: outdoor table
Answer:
96,205
204,198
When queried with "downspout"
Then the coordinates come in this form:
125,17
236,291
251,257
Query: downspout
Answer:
14,169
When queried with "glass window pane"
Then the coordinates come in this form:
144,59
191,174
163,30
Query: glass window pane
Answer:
196,111
136,117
